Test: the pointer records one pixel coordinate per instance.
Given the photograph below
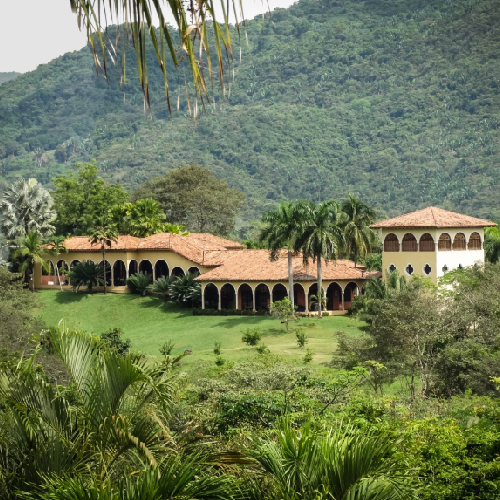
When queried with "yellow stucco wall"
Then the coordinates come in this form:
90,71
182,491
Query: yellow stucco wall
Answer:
172,259
419,259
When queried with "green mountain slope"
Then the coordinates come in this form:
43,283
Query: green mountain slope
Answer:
395,100
5,77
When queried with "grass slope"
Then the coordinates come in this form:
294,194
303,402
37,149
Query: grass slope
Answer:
148,324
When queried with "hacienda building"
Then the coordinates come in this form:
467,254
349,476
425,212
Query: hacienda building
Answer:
428,242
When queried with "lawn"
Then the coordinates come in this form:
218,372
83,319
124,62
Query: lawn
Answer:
148,323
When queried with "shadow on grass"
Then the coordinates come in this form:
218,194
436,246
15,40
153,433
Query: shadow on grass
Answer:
67,297
234,321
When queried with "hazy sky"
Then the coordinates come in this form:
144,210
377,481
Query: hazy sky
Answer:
34,32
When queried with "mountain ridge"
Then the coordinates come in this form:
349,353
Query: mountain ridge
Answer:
396,101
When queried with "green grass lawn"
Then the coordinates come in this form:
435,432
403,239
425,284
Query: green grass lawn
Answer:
148,323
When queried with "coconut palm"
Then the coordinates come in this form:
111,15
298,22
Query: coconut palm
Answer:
358,236
200,36
29,252
342,463
321,236
492,244
104,233
281,230
25,207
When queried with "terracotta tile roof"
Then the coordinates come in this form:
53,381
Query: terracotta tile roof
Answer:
255,265
432,217
193,246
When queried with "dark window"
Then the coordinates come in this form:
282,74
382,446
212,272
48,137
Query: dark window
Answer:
445,268
427,269
409,269
392,268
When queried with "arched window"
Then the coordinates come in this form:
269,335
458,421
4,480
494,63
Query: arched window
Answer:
262,297
211,294
279,292
119,273
228,297
391,243
444,243
459,242
410,243
194,271
426,243
161,269
474,242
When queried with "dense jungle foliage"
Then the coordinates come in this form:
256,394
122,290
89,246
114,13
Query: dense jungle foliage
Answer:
396,101
5,77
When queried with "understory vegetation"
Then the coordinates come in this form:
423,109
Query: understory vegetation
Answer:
401,405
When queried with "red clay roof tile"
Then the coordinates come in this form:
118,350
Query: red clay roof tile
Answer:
432,217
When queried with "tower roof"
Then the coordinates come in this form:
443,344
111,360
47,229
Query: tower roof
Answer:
432,217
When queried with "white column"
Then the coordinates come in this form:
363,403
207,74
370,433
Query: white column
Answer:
202,297
253,299
306,295
112,274
220,298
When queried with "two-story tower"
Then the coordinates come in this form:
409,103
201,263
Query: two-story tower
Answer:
431,241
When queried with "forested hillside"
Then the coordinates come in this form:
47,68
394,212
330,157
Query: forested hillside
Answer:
397,101
5,77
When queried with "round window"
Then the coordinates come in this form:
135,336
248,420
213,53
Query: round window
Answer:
427,269
409,269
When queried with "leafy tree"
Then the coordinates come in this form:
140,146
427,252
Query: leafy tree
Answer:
284,310
25,207
193,197
105,234
359,238
29,252
492,244
251,336
321,237
87,273
185,291
282,227
142,218
343,463
112,338
140,282
81,198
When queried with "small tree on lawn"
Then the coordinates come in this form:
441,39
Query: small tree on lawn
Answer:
283,310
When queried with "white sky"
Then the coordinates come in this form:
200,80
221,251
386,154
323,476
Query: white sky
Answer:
34,32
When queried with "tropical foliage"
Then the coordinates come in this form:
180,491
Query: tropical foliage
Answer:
86,273
25,206
185,291
29,253
140,282
103,233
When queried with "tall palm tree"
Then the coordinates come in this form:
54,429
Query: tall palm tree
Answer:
26,206
201,36
29,252
492,244
56,248
344,463
357,233
281,229
321,236
105,234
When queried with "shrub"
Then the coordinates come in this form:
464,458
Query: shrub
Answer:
162,286
185,291
308,356
167,348
283,310
86,273
112,340
262,348
140,282
217,347
252,336
220,361
301,337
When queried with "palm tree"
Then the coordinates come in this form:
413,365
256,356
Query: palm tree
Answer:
492,244
56,245
26,206
321,236
86,273
106,428
104,234
281,229
29,251
357,233
344,463
201,36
